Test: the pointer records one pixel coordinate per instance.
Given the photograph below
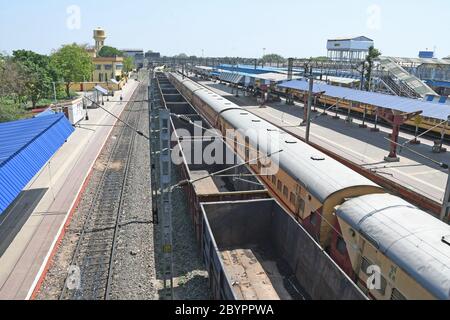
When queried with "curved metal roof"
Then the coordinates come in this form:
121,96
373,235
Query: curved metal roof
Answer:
319,173
408,236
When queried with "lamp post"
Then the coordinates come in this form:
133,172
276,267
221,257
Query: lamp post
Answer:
54,92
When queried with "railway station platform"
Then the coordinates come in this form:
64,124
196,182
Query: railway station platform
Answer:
46,204
357,145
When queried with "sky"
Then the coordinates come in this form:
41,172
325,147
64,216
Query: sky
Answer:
227,27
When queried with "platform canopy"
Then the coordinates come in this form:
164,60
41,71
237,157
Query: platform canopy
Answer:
429,109
25,147
101,90
231,77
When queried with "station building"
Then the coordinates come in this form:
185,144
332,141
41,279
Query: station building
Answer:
108,71
349,49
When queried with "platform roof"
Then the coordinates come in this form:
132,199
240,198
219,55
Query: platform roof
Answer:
429,109
403,60
231,77
341,80
237,77
25,147
248,68
101,89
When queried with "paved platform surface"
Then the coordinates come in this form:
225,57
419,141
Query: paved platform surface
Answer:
359,145
62,179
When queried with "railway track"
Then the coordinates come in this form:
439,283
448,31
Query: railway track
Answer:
92,264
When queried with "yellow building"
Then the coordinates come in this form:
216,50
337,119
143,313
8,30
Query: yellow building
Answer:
106,69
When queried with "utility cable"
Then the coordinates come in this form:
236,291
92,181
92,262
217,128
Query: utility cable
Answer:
185,182
125,123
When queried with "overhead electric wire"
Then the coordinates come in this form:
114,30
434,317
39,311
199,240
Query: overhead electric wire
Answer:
441,164
184,182
118,119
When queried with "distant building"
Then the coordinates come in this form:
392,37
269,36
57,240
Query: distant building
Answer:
152,55
426,54
132,52
349,49
136,54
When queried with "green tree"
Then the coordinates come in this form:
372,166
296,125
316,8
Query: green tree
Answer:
371,57
72,64
12,89
39,74
319,59
273,58
13,80
128,64
109,52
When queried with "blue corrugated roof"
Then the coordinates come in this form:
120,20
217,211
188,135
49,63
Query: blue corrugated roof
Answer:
25,147
436,83
44,113
248,68
429,109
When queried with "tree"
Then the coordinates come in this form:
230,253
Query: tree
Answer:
13,79
72,64
109,52
371,57
39,74
319,59
12,89
128,64
273,58
181,56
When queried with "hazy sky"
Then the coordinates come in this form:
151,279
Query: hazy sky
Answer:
228,27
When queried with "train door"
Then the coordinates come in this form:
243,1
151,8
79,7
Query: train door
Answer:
299,203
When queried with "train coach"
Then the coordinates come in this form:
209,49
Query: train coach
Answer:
320,193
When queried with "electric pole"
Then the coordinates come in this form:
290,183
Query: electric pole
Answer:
310,100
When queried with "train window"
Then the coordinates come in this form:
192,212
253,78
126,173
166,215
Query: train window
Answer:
341,246
301,205
292,198
286,192
365,264
314,218
396,295
247,149
279,186
382,289
274,180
